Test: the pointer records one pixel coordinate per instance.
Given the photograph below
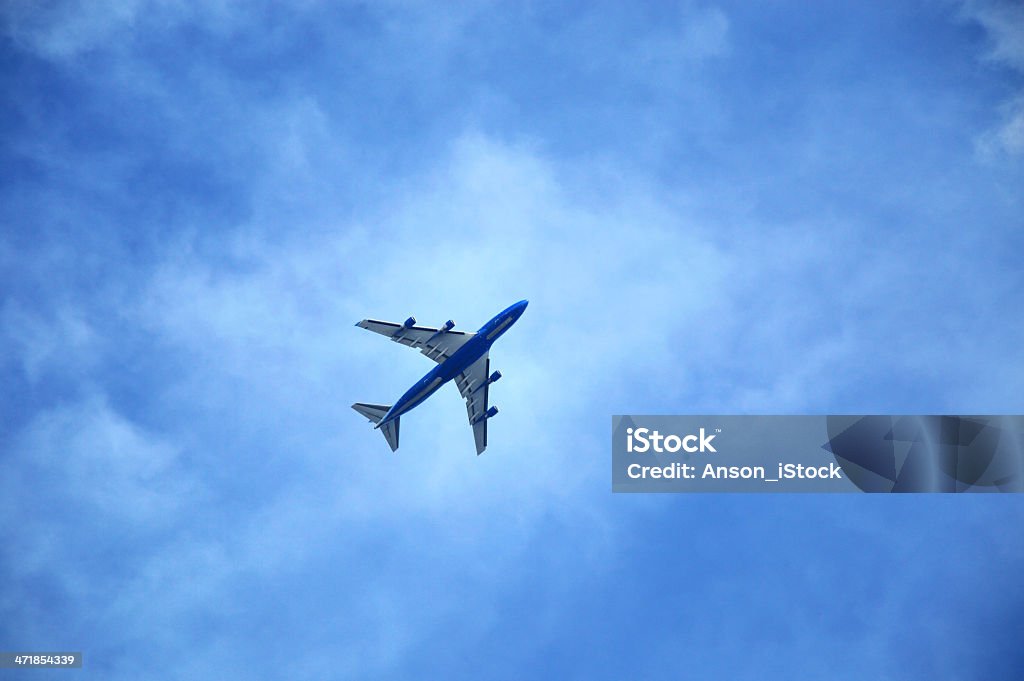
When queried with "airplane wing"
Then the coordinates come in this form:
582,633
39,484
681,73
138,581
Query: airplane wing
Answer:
473,383
437,344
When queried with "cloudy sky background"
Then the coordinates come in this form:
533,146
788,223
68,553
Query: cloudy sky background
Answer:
713,208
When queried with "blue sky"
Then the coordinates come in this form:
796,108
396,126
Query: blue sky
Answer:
713,208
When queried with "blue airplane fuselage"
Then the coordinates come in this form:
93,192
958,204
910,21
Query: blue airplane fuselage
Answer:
461,359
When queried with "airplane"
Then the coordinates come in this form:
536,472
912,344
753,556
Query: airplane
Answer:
460,355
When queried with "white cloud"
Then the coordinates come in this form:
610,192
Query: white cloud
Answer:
1003,21
65,342
700,34
663,57
1009,136
274,341
94,456
492,225
66,29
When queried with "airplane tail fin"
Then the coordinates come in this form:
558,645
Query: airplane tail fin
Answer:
375,412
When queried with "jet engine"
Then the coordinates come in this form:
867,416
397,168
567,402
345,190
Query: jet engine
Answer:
494,377
486,415
410,322
448,325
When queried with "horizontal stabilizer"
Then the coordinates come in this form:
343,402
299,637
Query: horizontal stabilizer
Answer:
376,412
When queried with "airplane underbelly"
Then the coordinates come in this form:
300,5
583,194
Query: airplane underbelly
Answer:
463,359
411,399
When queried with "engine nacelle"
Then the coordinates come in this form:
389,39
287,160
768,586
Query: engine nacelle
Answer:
448,325
494,377
486,415
410,322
